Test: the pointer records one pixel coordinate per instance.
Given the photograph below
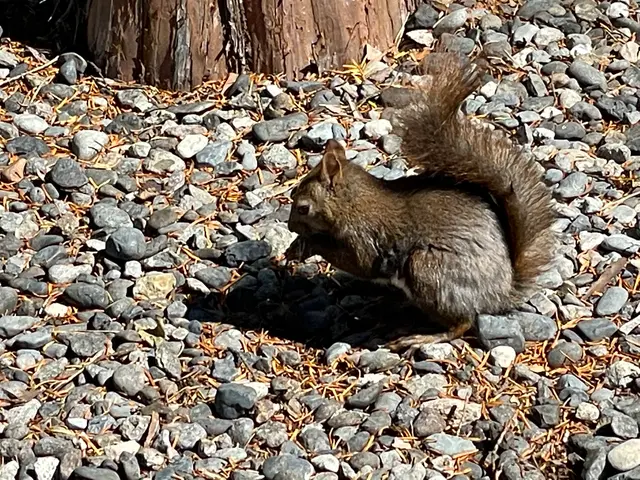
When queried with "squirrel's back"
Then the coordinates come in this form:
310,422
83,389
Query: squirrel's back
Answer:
440,141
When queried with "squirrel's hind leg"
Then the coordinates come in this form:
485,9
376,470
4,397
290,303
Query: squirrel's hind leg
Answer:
410,343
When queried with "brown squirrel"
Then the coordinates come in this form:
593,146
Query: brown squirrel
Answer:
467,236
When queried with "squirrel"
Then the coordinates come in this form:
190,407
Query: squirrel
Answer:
467,235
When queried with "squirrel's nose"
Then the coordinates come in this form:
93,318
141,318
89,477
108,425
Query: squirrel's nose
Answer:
295,225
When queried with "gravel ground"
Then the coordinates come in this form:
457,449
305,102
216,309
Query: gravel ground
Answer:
149,327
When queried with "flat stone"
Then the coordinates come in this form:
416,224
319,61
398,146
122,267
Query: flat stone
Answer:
87,144
625,456
612,301
587,75
287,466
500,330
597,329
87,295
445,444
29,123
279,129
451,22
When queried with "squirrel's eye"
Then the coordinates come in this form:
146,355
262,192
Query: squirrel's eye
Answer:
303,209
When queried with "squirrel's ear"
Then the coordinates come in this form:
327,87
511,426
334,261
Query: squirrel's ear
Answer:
332,162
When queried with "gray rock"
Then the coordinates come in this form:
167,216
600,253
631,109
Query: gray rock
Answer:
587,75
214,277
585,111
595,463
190,145
224,369
548,415
631,76
535,328
214,153
126,243
87,144
428,423
573,185
547,35
424,17
129,379
376,129
622,425
8,300
46,467
445,444
8,59
621,373
278,157
287,466
185,435
67,173
532,7
335,351
134,98
248,251
84,344
378,360
162,162
616,152
12,325
85,295
108,216
494,331
625,456
63,273
233,400
8,131
92,473
612,108
49,256
570,131
164,217
564,353
30,123
597,329
365,397
326,462
621,243
451,22
314,439
612,301
26,145
279,129
323,98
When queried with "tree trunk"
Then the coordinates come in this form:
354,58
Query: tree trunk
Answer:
178,44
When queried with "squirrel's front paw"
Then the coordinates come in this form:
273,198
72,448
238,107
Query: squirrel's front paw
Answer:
296,250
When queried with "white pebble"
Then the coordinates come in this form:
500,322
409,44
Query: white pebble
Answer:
503,356
588,412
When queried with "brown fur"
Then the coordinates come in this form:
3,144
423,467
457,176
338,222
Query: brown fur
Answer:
468,235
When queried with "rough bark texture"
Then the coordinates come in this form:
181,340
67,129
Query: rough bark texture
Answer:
178,44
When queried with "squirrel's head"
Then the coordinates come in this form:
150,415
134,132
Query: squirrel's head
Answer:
310,212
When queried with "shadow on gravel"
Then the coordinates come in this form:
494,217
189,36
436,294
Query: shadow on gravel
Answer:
54,25
316,311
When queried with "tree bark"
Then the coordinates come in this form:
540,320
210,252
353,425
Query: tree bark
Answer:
178,44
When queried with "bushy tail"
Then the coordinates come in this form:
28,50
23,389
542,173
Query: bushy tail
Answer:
439,140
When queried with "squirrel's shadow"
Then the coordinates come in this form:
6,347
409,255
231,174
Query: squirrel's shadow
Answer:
312,308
